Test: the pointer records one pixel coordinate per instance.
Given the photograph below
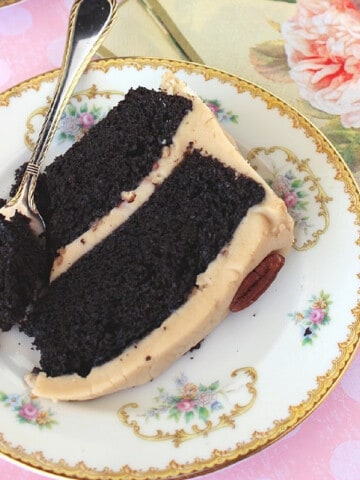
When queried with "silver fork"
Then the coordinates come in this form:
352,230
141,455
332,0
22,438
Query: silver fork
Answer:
89,22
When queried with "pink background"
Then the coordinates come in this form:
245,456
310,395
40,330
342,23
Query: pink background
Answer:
326,445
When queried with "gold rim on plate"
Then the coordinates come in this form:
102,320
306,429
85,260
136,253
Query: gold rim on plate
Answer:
6,3
297,413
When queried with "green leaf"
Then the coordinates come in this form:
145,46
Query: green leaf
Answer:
3,397
269,59
214,386
203,413
302,205
346,140
270,49
96,111
22,419
307,341
189,416
341,136
83,108
174,413
214,102
296,183
175,399
71,109
48,425
326,297
347,154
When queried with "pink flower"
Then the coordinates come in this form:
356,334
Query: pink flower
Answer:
290,199
281,185
185,405
29,411
322,43
86,120
213,107
317,315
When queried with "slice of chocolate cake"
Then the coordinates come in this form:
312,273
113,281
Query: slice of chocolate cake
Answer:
154,220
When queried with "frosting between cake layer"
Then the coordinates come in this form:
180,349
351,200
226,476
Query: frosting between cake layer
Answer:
270,228
202,127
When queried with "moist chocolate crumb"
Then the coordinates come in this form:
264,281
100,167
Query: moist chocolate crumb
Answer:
22,268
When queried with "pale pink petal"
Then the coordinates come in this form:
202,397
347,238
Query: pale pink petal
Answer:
322,43
325,72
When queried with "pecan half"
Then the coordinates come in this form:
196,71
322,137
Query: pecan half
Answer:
257,282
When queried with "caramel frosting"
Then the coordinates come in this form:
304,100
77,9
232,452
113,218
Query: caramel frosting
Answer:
266,228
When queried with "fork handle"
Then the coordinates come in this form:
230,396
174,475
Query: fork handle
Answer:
88,24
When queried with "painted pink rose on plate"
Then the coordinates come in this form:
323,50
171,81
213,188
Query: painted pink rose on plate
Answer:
87,120
185,405
214,108
322,43
317,315
290,199
29,411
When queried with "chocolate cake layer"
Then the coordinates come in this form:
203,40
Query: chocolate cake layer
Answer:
86,182
22,268
132,281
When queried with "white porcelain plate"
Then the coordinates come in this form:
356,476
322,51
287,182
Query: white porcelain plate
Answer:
263,370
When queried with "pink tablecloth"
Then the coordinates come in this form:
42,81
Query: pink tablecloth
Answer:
327,445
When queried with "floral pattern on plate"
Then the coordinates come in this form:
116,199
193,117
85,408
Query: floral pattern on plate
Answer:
294,181
220,112
189,401
313,318
195,409
77,120
288,186
81,113
28,409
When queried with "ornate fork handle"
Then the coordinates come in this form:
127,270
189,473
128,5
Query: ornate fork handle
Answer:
88,24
